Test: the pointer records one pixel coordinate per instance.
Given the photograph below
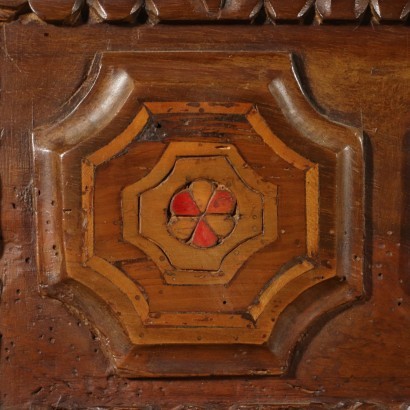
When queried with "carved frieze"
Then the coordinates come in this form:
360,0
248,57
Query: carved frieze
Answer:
72,12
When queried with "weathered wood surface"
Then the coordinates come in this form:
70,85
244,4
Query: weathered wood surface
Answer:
70,12
359,359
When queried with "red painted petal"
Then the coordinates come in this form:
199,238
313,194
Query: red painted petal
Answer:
183,205
223,202
204,237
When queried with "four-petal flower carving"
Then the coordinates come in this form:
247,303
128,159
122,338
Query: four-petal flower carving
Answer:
203,214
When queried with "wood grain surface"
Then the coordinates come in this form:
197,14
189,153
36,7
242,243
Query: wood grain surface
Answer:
51,354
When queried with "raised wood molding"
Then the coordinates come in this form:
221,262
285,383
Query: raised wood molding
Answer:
253,213
73,12
94,179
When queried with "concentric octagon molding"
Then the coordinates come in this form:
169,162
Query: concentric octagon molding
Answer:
199,237
209,229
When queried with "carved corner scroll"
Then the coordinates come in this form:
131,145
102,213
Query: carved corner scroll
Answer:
201,220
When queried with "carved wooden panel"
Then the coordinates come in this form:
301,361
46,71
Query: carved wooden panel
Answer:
199,222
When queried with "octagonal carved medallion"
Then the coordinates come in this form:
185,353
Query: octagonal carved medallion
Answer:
199,208
199,229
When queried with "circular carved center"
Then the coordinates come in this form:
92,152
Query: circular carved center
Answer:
202,214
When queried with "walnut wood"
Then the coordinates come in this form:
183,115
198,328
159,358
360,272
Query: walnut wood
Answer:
65,11
114,10
10,9
340,9
387,10
355,357
283,10
280,11
162,10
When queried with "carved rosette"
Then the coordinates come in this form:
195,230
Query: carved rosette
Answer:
199,229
